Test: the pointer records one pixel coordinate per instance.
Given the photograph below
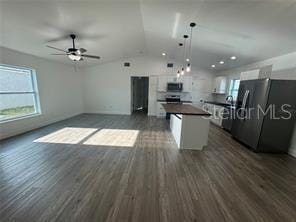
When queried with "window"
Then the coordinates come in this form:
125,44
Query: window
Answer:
18,93
234,86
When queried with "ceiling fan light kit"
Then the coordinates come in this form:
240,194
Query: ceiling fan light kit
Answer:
73,53
74,57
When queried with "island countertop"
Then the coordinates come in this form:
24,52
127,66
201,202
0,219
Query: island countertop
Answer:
184,109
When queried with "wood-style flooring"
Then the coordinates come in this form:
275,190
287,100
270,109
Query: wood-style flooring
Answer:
127,168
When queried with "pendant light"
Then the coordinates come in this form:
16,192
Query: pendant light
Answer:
184,54
178,74
182,69
188,68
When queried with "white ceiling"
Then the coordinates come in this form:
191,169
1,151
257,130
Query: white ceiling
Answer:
251,30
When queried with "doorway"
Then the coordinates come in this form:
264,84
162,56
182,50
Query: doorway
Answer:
140,91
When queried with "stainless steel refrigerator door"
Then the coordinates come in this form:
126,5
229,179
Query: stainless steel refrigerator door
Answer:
278,128
252,99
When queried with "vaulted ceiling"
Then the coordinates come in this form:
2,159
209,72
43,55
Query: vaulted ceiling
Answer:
249,29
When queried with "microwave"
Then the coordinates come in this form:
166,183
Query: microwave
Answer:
174,86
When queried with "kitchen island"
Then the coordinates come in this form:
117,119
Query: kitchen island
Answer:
189,125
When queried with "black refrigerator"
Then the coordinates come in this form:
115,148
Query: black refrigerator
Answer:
265,114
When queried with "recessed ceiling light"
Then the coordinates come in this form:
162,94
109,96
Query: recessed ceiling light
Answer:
164,54
187,60
213,66
221,62
233,57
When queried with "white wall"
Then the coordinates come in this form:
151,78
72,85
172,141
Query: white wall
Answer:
283,67
99,97
60,91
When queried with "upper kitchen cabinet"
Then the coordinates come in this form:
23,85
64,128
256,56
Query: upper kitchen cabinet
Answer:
219,85
162,84
262,73
187,83
248,75
171,79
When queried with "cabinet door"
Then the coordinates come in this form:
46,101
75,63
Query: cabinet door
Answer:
219,85
162,83
171,78
187,84
176,128
217,114
215,85
252,74
160,110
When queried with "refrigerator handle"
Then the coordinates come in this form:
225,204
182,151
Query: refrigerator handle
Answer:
245,99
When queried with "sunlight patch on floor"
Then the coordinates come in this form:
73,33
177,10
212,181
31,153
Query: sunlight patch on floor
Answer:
113,137
67,135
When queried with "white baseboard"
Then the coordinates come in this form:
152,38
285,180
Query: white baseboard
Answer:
28,127
109,112
292,152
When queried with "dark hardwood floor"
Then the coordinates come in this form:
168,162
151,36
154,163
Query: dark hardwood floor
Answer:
127,168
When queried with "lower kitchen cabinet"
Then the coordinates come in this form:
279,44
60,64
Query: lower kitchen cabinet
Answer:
217,113
160,112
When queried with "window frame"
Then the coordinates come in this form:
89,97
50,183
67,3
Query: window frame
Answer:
231,88
34,92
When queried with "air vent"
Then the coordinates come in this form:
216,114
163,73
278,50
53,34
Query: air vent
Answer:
126,64
170,65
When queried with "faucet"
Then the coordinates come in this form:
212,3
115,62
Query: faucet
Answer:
229,98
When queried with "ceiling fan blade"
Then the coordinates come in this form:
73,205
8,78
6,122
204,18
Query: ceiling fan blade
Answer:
82,50
59,54
58,39
56,48
91,56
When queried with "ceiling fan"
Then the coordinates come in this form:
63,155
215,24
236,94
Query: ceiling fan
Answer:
73,53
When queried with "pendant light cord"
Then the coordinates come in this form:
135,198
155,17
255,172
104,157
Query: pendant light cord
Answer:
184,48
184,52
190,43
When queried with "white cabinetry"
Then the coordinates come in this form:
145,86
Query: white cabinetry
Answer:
252,74
176,128
171,79
160,111
163,80
219,85
187,83
190,131
162,84
217,113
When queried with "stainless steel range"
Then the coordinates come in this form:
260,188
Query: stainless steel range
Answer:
173,98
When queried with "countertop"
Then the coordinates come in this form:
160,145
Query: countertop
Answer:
184,109
228,105
182,101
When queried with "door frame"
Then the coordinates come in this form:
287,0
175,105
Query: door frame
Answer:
131,92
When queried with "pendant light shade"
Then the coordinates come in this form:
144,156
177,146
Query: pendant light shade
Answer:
188,68
182,71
